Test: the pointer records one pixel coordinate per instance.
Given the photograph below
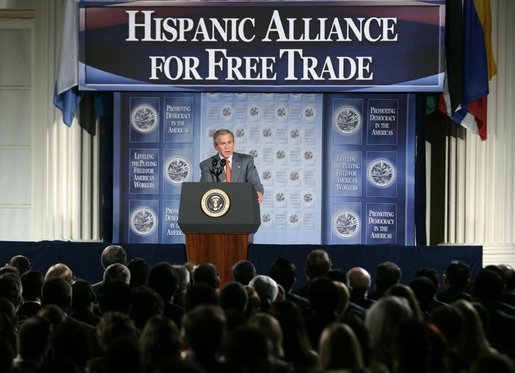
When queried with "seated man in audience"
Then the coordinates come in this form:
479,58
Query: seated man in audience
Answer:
359,286
21,262
456,281
243,271
267,289
207,273
31,281
318,263
387,275
110,255
285,274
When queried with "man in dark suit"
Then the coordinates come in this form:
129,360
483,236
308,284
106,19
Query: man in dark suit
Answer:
242,168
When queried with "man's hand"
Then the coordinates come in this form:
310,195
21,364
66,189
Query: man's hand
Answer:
259,197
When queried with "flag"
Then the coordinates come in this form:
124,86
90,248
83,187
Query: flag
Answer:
472,89
67,96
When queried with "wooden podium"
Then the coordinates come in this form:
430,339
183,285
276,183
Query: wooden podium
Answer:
218,220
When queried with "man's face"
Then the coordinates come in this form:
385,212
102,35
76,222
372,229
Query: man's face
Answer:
225,145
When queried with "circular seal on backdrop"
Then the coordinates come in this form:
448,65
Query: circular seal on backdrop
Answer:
226,112
177,170
309,112
281,112
144,118
215,203
254,153
254,112
239,133
294,133
381,173
294,176
267,175
347,120
280,154
346,223
267,132
143,221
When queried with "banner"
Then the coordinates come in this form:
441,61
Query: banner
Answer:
370,152
308,46
336,168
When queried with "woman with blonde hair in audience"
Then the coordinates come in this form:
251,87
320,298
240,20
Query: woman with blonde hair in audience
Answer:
339,349
60,270
270,326
407,293
383,320
471,341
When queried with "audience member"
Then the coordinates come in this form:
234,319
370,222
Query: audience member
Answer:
110,255
243,271
200,294
284,273
33,343
270,326
267,290
425,292
146,302
113,254
296,345
359,286
60,270
318,263
420,347
201,321
113,296
113,326
339,349
207,273
254,303
338,275
488,287
52,313
431,274
83,299
32,282
162,279
387,275
344,305
21,262
75,341
508,296
234,300
11,289
248,349
323,296
117,272
455,283
160,343
8,330
123,355
493,362
138,269
382,321
183,283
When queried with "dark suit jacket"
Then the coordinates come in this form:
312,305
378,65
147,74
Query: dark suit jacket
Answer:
243,170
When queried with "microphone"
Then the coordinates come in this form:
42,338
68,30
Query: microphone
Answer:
222,163
216,170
